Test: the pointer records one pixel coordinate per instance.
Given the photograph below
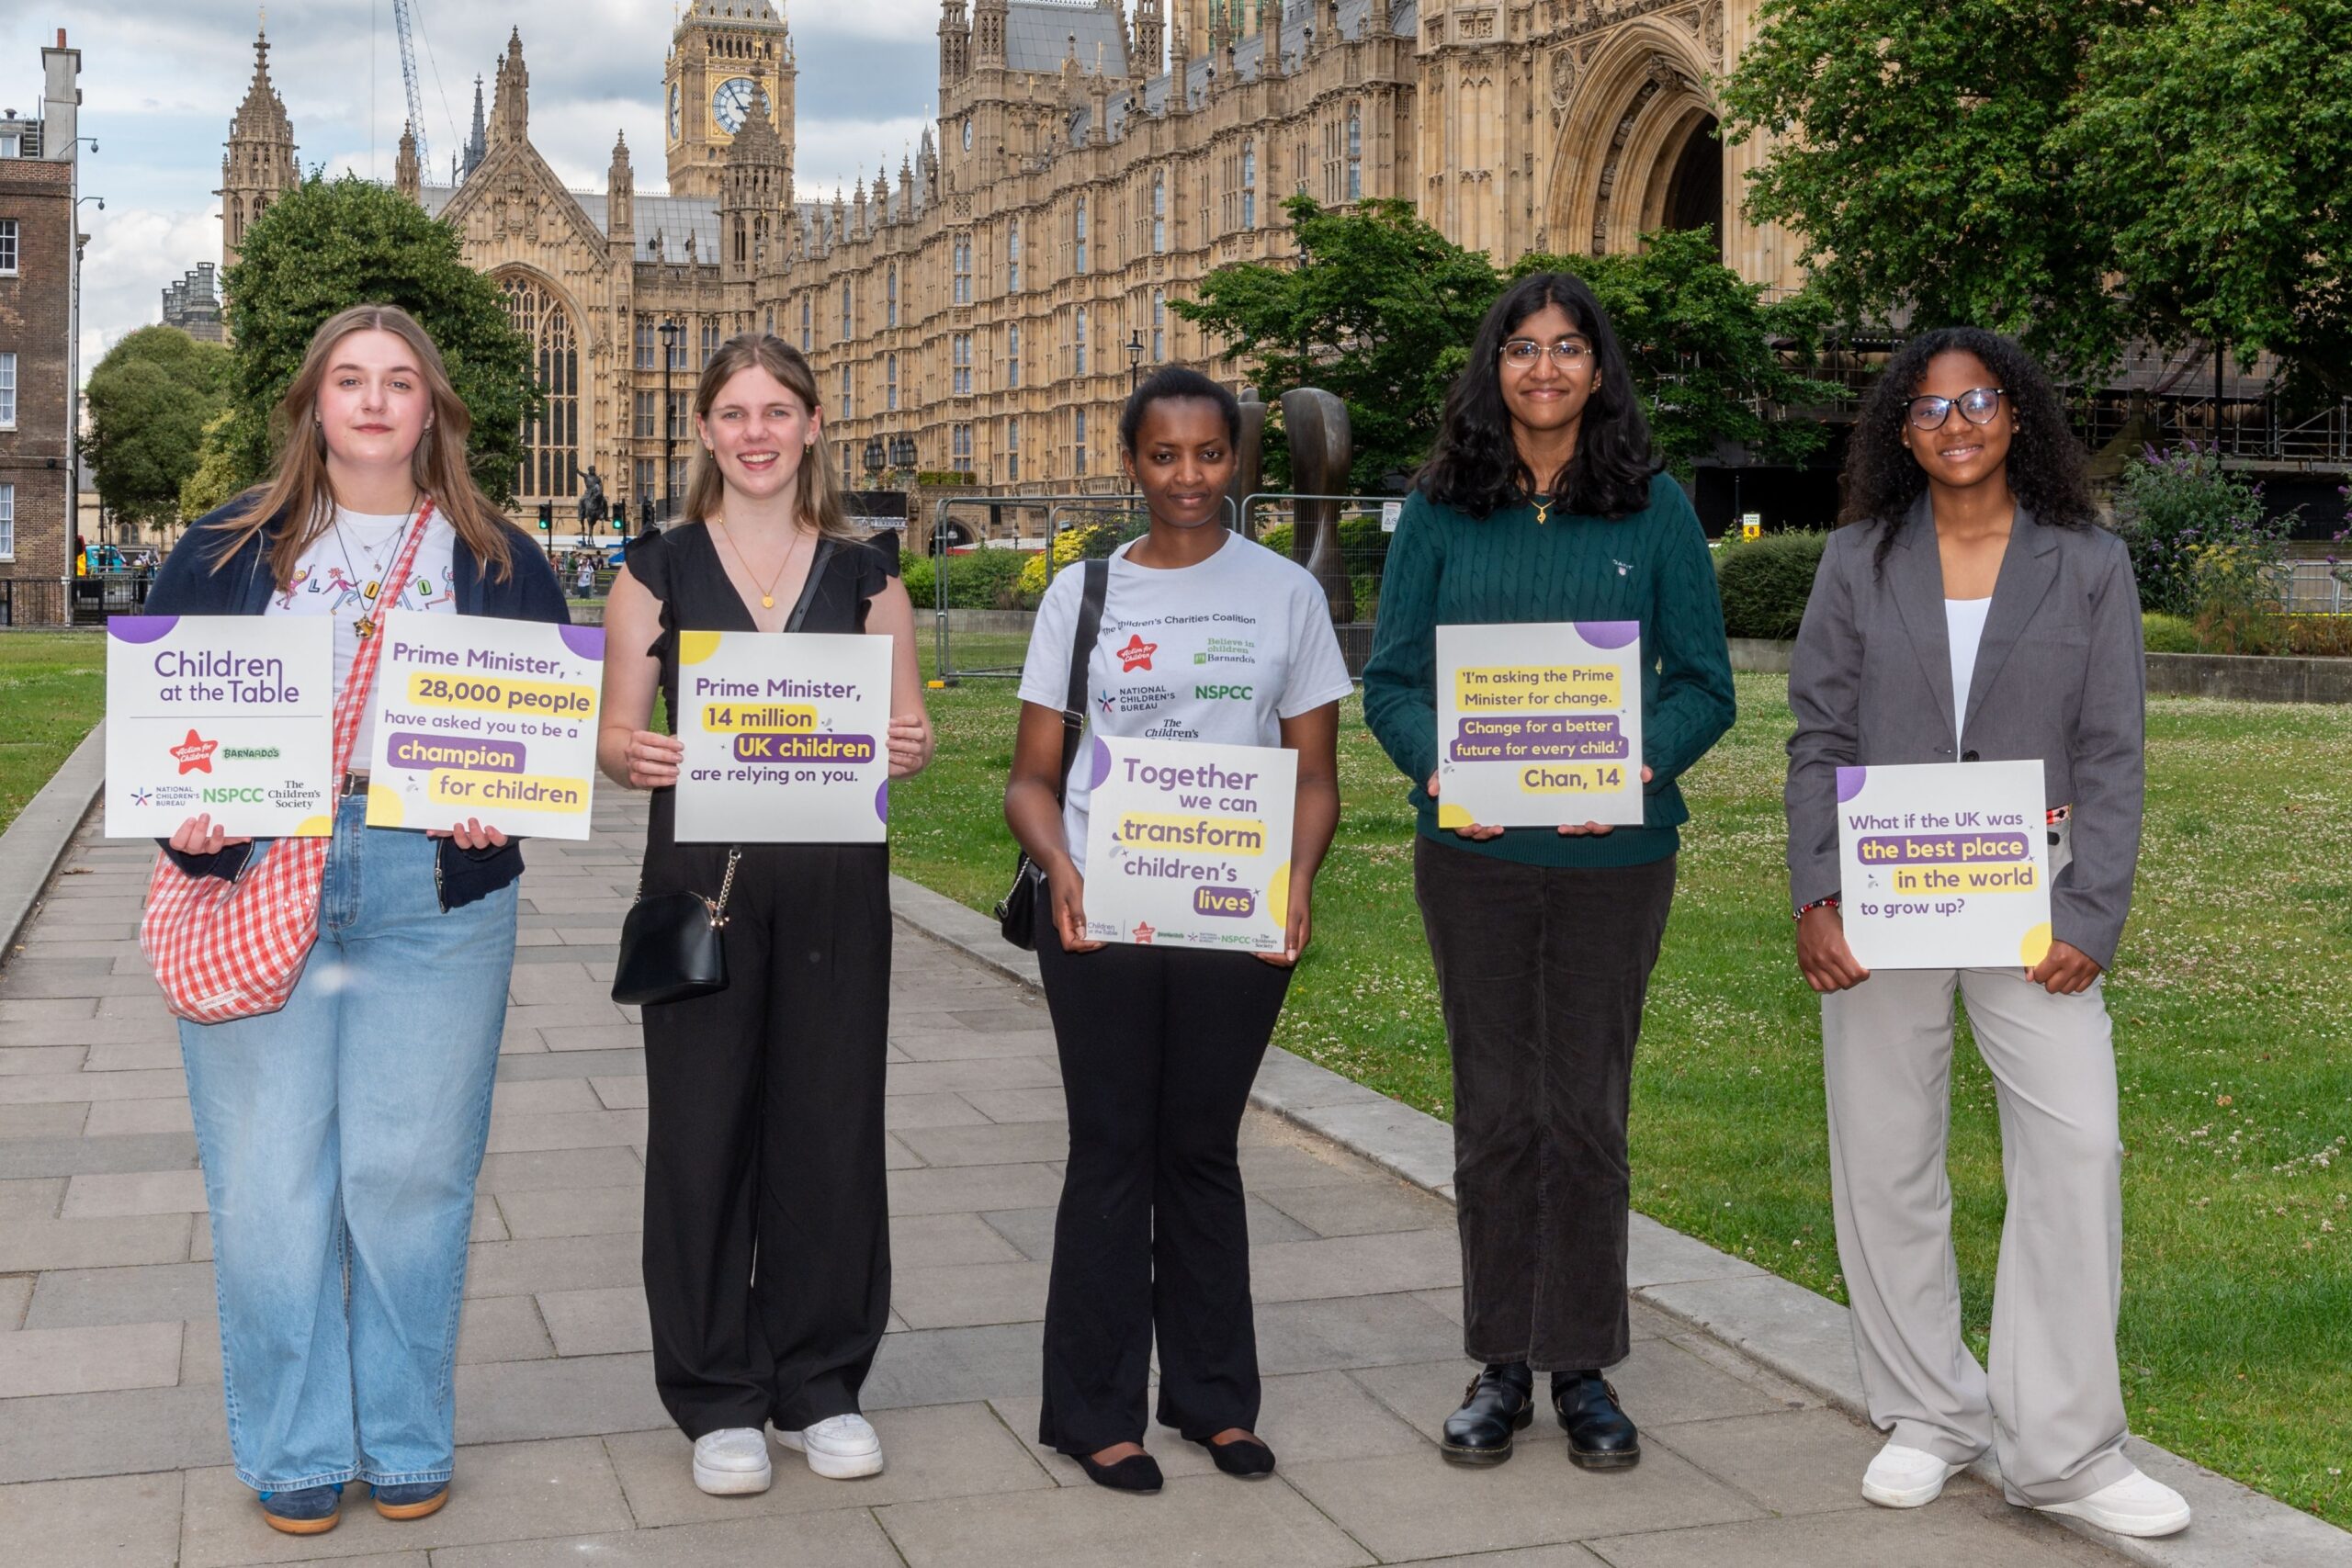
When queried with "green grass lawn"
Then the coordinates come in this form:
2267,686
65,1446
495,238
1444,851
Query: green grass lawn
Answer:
2233,1000
52,690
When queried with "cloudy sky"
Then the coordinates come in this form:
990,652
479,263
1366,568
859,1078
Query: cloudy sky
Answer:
160,82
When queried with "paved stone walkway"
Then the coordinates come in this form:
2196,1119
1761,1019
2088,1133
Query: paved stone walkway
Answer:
112,1449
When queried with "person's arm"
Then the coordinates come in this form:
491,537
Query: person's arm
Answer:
628,753
1824,693
2091,898
892,615
1400,678
1314,817
1032,809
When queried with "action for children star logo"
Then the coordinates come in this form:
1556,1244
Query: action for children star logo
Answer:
1136,655
1143,933
195,754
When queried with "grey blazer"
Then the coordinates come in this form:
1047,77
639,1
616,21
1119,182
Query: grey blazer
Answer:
2059,675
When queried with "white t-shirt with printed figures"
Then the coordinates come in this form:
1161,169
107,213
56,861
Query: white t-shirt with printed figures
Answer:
340,575
1222,651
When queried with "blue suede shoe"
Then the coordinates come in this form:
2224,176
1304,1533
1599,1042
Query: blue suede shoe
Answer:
411,1500
307,1510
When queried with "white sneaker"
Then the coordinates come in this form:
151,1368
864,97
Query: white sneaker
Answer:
732,1461
1901,1477
840,1448
2137,1505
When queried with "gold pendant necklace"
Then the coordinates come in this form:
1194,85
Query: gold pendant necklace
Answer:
767,594
1543,504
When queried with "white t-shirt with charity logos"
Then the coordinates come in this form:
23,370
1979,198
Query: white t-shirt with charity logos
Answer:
334,577
1221,652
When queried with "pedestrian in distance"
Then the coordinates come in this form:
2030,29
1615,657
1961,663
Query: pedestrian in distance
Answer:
341,1135
1158,1046
767,1245
1541,504
1969,609
587,581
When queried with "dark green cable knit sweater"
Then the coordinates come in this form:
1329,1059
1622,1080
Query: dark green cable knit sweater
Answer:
1446,567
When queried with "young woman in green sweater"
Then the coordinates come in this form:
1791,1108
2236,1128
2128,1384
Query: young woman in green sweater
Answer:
1541,504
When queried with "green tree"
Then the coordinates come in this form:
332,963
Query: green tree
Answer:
1713,361
149,399
1379,309
332,245
213,481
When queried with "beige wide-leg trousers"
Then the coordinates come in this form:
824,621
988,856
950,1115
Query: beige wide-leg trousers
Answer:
2051,1405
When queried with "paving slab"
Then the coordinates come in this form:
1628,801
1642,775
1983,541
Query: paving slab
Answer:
842,1538
89,1360
1198,1519
119,1522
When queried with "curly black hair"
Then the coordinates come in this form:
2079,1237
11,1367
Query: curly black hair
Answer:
1476,467
2047,467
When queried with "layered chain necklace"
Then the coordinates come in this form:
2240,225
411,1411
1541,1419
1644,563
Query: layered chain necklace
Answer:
373,583
767,591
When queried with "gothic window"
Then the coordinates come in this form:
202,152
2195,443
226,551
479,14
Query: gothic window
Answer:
963,269
645,342
1159,214
845,391
961,438
645,416
807,309
1013,358
845,316
891,300
645,469
710,335
1012,450
1012,258
1159,326
961,362
891,381
1355,154
551,429
1249,184
1078,342
1077,441
1080,234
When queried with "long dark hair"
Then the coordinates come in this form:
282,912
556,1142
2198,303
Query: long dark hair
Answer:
1476,468
2048,471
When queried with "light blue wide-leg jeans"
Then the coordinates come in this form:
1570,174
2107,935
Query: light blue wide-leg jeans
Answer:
341,1138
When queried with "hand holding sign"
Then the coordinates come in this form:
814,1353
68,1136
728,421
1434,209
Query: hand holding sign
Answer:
1540,726
1946,866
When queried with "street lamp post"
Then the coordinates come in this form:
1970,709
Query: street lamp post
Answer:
670,332
1135,374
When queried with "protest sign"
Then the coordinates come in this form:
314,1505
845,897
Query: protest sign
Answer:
787,737
1538,724
1188,844
1947,866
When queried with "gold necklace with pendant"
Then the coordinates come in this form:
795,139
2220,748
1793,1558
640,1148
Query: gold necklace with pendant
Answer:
1543,504
767,594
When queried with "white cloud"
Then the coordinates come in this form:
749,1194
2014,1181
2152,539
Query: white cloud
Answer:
130,257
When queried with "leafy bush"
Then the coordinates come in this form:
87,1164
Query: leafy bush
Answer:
2316,636
1363,544
921,578
980,579
1088,541
1765,582
2174,504
1277,538
2168,634
1367,587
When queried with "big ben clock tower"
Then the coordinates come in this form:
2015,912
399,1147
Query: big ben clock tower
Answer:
722,52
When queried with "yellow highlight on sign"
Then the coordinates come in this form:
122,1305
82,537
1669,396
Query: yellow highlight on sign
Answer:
771,719
1967,880
491,792
1571,778
546,699
1218,836
1519,688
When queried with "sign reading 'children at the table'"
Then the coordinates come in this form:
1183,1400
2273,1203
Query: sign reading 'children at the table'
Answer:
1947,866
488,720
1539,726
1188,844
228,717
787,737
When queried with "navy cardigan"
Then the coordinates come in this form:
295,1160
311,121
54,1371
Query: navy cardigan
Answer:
188,584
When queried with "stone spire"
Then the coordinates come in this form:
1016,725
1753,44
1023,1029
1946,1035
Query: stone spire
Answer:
512,113
405,178
955,42
259,167
478,139
990,19
754,186
1150,37
1270,27
620,196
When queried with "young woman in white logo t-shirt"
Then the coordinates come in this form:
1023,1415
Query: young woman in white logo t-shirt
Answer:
1205,635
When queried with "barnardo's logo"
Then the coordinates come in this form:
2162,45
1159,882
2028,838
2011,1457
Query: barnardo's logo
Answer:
1136,655
1227,650
249,753
195,754
1223,694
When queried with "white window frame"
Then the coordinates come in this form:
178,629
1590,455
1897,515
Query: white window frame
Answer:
8,390
7,520
8,235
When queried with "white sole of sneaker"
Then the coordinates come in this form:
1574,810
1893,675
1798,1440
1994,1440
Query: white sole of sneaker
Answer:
1907,1496
832,1467
733,1483
2138,1526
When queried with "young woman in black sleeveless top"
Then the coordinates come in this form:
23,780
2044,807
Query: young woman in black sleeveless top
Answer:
767,1250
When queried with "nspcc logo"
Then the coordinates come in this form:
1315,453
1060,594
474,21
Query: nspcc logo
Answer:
1223,694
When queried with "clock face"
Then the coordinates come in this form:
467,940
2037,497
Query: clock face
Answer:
967,133
674,111
731,104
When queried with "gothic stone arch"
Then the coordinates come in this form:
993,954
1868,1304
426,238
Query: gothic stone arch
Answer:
553,440
1631,111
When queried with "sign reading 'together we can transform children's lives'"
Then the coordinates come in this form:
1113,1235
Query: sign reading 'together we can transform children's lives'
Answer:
485,719
1188,844
787,737
1538,724
1945,866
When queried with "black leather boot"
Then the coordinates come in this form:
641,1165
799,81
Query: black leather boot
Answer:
1498,1402
1600,1435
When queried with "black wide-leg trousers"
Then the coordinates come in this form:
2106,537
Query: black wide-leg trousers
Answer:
1541,972
1158,1047
767,1240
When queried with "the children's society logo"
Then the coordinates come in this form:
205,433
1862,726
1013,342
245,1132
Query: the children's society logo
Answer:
195,754
1136,655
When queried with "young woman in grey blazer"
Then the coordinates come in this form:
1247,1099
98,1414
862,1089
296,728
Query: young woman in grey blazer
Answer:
1969,611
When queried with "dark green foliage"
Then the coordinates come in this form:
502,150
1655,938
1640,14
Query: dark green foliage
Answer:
979,579
2176,505
2168,634
1765,582
150,399
332,244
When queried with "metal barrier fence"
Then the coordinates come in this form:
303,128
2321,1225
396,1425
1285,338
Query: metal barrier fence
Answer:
2315,588
32,602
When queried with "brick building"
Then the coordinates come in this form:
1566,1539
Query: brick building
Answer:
38,322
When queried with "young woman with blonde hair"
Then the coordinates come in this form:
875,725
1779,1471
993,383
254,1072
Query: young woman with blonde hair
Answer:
767,1243
341,1135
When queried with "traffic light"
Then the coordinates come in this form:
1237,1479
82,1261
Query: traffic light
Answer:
547,516
620,517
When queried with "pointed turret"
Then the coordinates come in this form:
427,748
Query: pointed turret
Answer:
1150,37
478,139
990,19
512,113
955,42
259,165
755,184
620,196
405,177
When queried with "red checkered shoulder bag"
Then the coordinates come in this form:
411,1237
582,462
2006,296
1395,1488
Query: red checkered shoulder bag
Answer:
225,950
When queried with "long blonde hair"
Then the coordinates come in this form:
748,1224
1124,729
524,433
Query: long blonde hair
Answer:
298,488
820,494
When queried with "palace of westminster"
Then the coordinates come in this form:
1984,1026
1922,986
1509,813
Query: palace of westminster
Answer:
991,298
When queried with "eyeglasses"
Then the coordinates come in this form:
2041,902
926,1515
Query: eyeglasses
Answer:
1568,354
1978,405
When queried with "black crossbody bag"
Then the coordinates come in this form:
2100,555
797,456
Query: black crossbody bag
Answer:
1016,912
673,945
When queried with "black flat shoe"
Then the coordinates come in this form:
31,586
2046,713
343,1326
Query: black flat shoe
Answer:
1600,1435
1248,1457
1136,1473
1498,1402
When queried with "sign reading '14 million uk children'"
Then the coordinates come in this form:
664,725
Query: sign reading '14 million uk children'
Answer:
1539,726
1945,866
488,720
231,716
1188,844
787,737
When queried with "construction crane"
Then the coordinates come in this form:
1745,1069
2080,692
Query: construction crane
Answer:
401,9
